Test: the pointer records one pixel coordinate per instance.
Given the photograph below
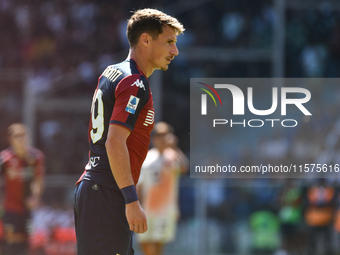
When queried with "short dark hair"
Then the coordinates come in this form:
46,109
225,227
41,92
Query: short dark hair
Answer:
150,21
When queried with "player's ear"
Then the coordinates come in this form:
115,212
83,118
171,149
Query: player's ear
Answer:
145,39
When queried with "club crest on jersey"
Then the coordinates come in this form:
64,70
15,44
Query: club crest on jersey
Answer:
138,83
132,104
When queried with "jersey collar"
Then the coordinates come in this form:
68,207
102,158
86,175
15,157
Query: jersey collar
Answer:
134,62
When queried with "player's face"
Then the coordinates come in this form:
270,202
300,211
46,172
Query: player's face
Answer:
18,139
159,141
164,49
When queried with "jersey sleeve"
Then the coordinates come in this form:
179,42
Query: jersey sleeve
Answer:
131,94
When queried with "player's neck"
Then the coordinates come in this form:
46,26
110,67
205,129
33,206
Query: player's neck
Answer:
141,62
20,152
161,149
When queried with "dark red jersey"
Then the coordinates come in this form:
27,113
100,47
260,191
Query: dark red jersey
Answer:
18,175
123,97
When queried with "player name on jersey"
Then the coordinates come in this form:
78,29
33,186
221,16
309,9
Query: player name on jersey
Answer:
112,73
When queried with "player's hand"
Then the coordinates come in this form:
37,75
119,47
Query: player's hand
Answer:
32,202
136,217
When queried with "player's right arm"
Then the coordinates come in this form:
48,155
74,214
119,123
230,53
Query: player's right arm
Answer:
119,160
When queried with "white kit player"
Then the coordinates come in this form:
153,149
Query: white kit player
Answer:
158,189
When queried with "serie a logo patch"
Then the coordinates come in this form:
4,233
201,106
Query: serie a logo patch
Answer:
132,104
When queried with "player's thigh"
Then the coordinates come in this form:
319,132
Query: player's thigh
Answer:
101,225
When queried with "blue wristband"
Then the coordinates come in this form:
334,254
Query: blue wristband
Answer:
129,194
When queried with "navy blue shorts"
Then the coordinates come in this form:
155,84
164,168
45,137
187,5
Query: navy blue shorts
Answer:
100,221
17,222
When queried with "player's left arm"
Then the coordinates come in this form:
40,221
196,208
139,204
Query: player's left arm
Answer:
37,185
131,94
181,159
119,160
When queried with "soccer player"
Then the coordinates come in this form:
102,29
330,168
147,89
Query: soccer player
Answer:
158,189
22,169
107,209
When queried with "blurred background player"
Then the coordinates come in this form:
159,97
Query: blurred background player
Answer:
291,217
158,189
319,216
22,168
